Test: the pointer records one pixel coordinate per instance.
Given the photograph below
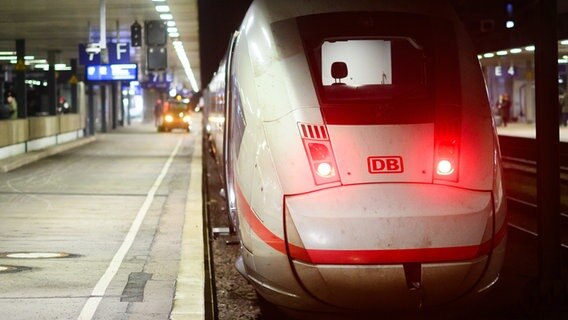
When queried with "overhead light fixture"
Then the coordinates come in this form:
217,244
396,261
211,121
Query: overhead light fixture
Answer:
510,23
43,66
62,67
530,48
173,32
30,62
178,46
502,53
163,8
33,82
13,57
516,50
488,55
58,66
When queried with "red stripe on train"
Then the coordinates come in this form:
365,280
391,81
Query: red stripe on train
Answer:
353,257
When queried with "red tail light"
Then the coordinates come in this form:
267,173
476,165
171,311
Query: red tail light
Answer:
445,167
446,160
319,153
448,130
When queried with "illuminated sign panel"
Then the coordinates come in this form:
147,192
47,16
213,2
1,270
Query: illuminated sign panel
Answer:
117,53
112,72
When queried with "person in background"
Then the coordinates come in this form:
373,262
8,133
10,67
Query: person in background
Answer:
564,111
504,106
13,106
62,105
158,108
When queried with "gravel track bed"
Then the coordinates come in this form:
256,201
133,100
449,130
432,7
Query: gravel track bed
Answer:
236,298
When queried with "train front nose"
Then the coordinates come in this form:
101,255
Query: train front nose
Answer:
389,245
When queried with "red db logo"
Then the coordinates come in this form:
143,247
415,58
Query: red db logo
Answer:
385,164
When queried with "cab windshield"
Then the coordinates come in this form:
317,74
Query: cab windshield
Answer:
390,68
177,106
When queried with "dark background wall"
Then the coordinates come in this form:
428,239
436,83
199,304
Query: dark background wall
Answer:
217,20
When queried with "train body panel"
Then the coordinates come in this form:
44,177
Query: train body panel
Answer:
291,156
386,286
359,155
386,219
391,232
404,154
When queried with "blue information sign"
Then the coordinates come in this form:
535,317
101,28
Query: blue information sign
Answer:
118,52
162,80
112,72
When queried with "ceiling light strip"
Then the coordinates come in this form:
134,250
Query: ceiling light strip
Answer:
165,14
163,8
186,65
529,48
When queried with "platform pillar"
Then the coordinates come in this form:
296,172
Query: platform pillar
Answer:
20,87
103,108
91,109
74,100
547,136
51,84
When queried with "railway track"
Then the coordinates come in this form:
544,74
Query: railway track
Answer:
523,217
524,150
518,154
528,166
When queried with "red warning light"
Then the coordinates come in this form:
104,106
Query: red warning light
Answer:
325,169
446,160
444,168
319,153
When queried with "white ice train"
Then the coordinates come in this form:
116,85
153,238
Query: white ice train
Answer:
361,163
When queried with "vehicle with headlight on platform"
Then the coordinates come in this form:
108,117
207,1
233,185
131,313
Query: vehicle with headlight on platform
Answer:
175,114
360,160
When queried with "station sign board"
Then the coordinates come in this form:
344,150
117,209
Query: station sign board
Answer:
118,53
112,72
158,80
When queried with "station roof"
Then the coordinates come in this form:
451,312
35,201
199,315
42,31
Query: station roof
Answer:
62,24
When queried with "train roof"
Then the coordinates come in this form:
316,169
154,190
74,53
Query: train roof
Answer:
276,10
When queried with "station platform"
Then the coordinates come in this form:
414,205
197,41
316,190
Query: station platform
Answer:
174,255
527,130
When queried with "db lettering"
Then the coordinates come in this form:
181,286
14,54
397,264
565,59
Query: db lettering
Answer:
385,164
